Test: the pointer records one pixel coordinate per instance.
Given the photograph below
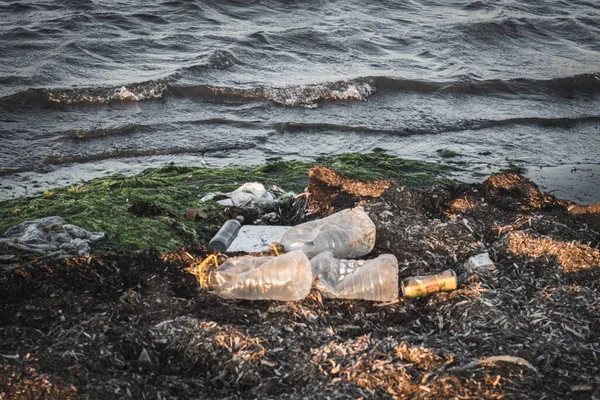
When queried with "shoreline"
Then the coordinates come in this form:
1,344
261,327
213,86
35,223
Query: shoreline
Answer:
575,182
105,204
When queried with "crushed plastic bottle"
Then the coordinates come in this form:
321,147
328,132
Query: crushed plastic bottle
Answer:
287,278
349,233
375,280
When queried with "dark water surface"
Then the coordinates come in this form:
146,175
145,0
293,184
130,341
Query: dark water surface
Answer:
89,88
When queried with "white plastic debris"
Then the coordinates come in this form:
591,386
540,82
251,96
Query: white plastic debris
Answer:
349,234
480,262
375,280
249,195
145,361
257,238
50,236
286,278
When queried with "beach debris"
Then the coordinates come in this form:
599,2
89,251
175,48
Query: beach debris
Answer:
9,356
286,278
9,261
583,209
228,232
202,269
269,218
251,195
572,256
348,233
582,388
147,361
495,359
375,280
195,213
512,191
330,191
50,236
421,286
257,238
400,349
479,263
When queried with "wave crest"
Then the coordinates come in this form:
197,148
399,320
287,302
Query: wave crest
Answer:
310,95
134,92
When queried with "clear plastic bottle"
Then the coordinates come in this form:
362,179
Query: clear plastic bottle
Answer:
375,280
348,233
286,278
221,241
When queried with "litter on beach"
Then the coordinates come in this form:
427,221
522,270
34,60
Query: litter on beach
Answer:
480,263
257,238
50,236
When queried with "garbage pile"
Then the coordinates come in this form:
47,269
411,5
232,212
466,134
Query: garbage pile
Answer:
322,254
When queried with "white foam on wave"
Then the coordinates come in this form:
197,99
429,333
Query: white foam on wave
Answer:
310,95
134,92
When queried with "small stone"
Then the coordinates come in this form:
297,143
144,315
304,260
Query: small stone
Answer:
194,213
480,262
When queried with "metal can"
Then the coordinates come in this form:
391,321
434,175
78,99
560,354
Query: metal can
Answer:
421,286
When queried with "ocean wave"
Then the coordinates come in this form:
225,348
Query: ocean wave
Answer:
136,153
131,128
217,60
584,83
308,96
99,95
437,128
311,95
135,92
292,127
126,129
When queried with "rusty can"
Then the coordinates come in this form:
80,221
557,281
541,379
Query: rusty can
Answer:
421,286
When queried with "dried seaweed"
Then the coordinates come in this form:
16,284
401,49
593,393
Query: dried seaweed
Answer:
76,328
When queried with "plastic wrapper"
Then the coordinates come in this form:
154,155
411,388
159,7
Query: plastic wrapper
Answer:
375,280
287,278
50,235
252,194
349,233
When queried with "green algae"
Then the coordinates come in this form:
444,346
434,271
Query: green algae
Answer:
102,204
447,153
514,166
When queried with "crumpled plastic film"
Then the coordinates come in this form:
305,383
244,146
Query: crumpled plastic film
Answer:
50,235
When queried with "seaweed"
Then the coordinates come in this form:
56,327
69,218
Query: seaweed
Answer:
447,153
102,204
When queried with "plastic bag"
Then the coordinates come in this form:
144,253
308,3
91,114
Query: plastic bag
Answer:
375,279
287,277
252,194
50,235
349,233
